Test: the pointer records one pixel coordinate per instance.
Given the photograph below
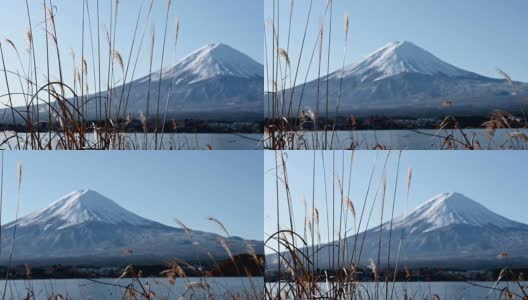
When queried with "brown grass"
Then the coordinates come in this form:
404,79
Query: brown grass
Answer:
299,272
134,285
58,114
288,126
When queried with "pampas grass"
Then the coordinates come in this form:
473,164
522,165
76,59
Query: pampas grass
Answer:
119,60
195,287
92,104
302,271
215,220
288,128
298,270
187,231
19,178
284,55
227,249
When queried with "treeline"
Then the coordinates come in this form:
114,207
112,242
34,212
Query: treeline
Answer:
244,265
383,122
412,275
136,126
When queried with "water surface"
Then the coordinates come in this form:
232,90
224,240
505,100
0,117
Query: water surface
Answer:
423,139
427,290
220,288
136,141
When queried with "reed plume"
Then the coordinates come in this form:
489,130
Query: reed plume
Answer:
187,231
219,224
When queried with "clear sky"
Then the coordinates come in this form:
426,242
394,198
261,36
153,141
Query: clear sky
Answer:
477,35
161,186
495,179
237,23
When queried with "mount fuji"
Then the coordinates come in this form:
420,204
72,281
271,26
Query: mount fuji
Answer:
449,230
215,80
86,227
403,79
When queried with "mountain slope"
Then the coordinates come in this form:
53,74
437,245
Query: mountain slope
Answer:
404,79
215,79
448,230
210,61
400,57
80,207
85,226
214,82
450,209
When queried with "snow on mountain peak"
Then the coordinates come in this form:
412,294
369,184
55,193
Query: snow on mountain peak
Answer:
450,209
396,58
215,59
79,207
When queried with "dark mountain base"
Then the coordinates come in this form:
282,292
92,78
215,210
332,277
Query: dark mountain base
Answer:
422,274
382,122
180,126
245,265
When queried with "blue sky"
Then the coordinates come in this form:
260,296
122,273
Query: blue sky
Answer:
187,185
477,35
237,23
493,178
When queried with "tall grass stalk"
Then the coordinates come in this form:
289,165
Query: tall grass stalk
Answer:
299,271
161,74
196,285
19,176
289,125
65,115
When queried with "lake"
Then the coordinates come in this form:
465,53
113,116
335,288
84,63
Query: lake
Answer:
221,288
179,141
423,139
426,290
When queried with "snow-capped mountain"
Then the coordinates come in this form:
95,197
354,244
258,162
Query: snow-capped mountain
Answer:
215,79
402,78
85,226
400,57
449,209
80,207
215,82
447,230
211,61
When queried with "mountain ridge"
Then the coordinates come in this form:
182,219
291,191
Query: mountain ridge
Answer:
449,230
401,57
214,82
214,59
403,79
451,208
215,78
78,207
87,226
